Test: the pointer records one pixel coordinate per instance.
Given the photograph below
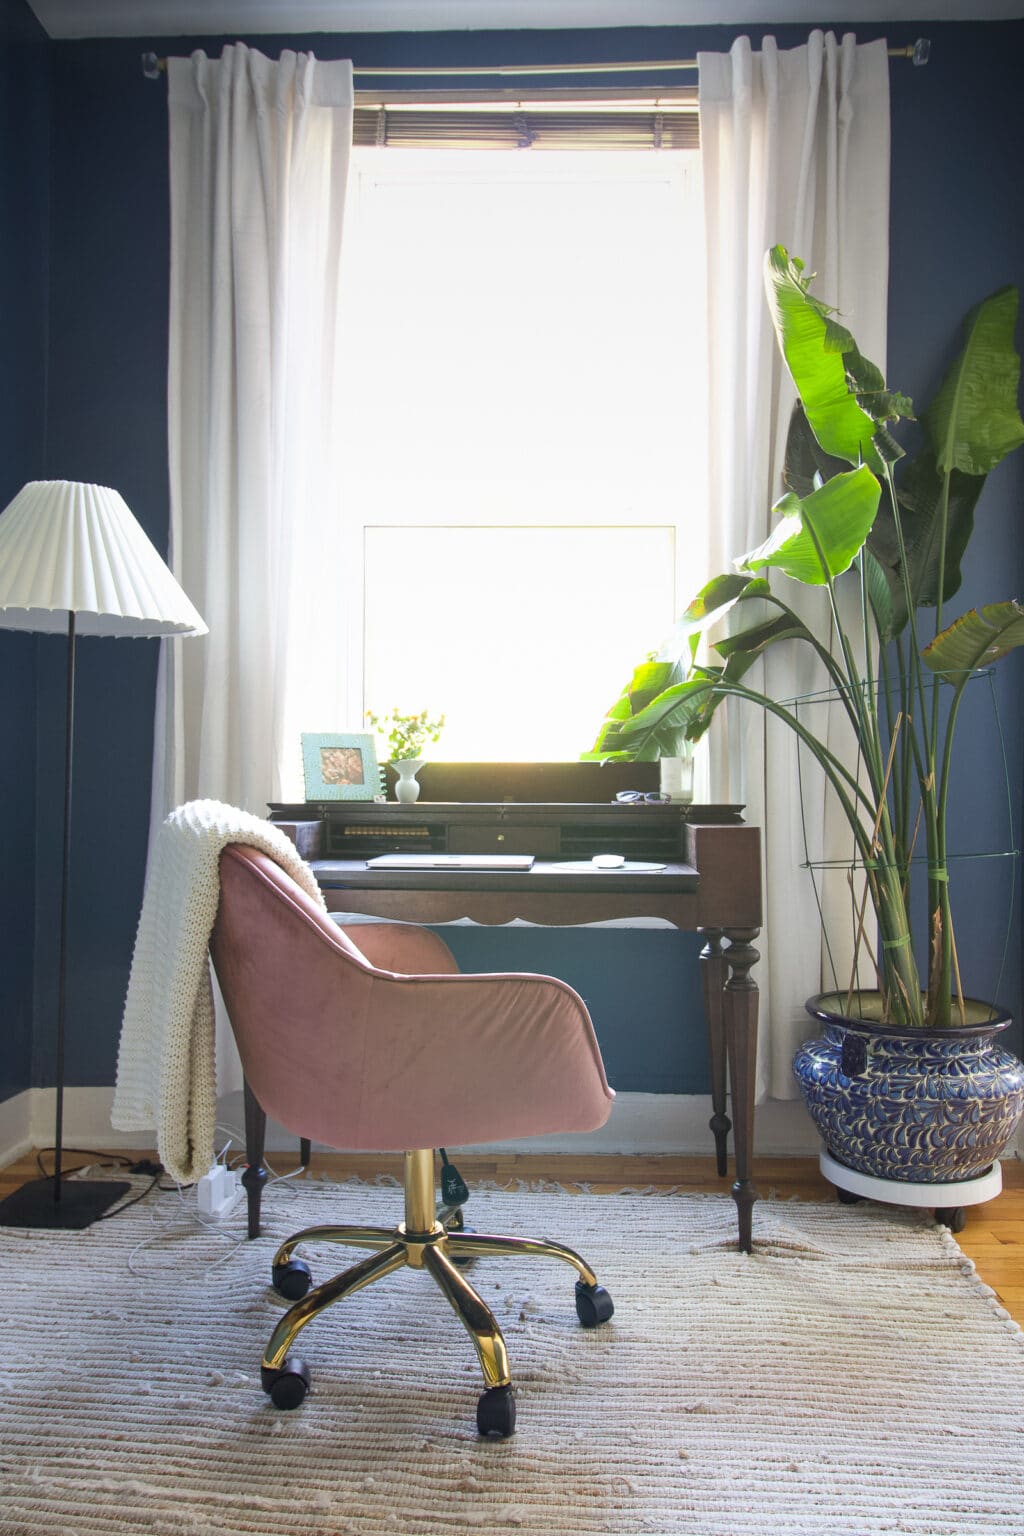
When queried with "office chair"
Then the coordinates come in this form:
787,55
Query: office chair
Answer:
387,1047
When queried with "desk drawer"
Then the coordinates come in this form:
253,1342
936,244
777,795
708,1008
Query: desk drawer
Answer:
542,841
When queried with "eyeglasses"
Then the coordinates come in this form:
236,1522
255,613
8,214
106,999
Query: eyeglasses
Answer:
639,796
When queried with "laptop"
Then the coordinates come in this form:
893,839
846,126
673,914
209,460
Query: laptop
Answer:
451,861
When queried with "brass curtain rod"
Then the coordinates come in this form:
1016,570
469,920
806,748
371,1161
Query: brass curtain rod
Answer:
153,67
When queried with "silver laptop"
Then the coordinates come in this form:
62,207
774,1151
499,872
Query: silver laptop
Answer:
451,861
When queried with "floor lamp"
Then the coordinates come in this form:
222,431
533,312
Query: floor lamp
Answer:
74,560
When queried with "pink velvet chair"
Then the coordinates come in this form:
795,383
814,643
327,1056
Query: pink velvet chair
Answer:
386,1047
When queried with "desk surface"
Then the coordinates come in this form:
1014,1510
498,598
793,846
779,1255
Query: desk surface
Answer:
353,874
711,878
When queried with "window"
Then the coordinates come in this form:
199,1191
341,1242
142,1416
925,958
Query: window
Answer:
523,435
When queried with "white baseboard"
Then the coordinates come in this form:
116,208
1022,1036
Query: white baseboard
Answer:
639,1123
16,1126
652,1123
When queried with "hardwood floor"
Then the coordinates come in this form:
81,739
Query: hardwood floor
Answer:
993,1236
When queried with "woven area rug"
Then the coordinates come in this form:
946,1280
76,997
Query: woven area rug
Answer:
853,1375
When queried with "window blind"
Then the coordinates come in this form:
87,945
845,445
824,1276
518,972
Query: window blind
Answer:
556,120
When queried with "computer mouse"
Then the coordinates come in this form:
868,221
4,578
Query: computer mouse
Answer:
608,860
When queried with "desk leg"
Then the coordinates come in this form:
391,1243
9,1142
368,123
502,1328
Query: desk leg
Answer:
739,999
713,972
255,1175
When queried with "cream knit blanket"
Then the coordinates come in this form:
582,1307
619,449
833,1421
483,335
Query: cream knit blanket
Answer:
166,1068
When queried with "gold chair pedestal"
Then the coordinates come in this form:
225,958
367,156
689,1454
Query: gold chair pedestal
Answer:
428,1239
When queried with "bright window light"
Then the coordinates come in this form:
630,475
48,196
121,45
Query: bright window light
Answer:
522,438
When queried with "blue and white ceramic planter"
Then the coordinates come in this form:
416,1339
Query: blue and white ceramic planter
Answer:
921,1106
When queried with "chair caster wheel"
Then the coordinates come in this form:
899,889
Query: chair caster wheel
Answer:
954,1217
496,1412
287,1387
292,1280
466,1259
593,1304
847,1197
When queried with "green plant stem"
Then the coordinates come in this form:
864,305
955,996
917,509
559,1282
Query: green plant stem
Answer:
869,639
876,850
916,683
867,814
828,661
940,964
866,722
945,978
838,775
877,845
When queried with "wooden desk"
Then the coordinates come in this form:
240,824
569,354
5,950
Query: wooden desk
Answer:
712,888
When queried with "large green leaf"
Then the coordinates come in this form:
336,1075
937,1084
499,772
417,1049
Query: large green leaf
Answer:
649,680
973,421
665,669
821,536
676,709
708,608
875,397
976,639
751,642
920,513
813,344
807,464
885,597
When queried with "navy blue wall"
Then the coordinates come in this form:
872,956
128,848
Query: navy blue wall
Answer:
956,233
24,210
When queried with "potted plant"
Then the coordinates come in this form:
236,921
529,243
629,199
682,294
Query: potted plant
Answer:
406,737
909,1082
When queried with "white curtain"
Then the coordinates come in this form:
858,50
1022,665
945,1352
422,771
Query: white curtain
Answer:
795,149
259,154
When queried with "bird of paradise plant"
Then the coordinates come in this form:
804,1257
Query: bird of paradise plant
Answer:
846,518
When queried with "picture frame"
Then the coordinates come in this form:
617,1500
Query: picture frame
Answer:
339,766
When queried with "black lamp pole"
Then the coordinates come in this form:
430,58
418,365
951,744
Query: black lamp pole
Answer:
52,1202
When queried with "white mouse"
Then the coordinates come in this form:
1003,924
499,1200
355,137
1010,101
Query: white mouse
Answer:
608,860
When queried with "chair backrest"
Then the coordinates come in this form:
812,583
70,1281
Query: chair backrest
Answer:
358,1056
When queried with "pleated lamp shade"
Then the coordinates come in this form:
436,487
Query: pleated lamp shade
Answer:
66,547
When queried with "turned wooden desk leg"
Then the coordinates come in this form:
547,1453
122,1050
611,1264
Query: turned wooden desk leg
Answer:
740,997
255,1175
713,972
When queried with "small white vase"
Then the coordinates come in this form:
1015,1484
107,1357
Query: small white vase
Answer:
407,790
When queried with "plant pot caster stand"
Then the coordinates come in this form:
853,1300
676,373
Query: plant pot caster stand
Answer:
947,1199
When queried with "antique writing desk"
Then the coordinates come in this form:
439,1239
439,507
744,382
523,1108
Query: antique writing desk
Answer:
710,885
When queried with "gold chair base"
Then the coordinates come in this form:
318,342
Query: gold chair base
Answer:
426,1239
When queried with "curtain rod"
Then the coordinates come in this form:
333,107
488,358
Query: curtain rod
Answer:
153,67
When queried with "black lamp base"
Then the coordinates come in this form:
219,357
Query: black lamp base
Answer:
82,1201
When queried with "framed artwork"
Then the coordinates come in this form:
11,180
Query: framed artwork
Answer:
339,767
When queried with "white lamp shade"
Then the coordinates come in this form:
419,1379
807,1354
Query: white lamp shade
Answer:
69,548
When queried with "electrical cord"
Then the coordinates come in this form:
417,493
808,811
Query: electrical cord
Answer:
185,1218
105,1160
144,1165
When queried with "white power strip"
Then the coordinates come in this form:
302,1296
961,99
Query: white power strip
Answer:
218,1191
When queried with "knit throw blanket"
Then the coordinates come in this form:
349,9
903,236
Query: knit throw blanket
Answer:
166,1068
